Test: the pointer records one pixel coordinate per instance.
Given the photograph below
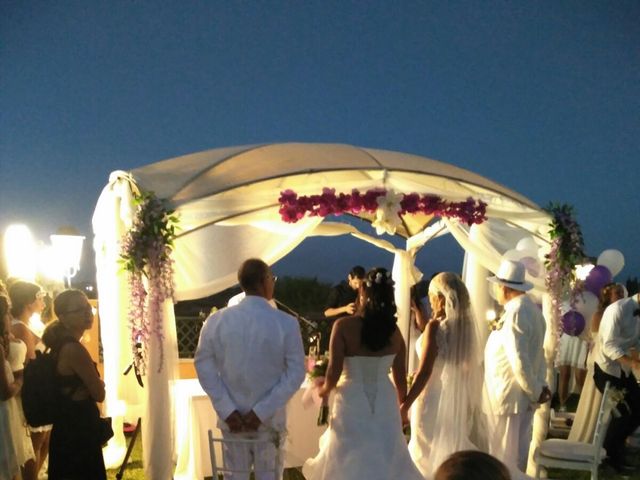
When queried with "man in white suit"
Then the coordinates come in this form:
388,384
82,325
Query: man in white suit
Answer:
250,361
514,366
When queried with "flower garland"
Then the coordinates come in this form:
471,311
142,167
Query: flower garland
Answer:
567,251
386,204
146,256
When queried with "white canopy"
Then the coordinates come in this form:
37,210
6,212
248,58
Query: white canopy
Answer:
227,203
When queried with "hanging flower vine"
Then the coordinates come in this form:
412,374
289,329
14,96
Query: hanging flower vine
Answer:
387,205
146,256
567,251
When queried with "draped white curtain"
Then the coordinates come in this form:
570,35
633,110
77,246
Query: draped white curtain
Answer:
124,398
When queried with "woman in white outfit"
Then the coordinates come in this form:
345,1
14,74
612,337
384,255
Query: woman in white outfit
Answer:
364,439
447,389
27,299
584,423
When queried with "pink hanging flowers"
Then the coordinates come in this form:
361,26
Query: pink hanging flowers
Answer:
146,256
294,207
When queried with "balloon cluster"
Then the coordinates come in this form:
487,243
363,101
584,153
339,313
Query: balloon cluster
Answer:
609,264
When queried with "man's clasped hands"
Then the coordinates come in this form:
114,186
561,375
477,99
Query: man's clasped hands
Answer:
248,422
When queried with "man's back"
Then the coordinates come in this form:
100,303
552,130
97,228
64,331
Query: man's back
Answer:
256,352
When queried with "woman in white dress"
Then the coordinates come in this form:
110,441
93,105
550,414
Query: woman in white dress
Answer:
584,423
27,299
447,389
364,439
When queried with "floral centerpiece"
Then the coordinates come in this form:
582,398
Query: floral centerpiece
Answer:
387,205
146,257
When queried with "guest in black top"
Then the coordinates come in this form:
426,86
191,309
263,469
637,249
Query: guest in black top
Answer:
343,297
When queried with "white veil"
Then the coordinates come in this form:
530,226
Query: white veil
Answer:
460,422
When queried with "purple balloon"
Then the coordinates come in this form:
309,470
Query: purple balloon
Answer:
598,277
573,323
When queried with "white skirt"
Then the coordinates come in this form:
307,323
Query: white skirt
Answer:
572,352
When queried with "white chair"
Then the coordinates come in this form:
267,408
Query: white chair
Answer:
560,453
220,468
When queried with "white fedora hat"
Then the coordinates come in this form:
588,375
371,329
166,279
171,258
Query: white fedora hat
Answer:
512,274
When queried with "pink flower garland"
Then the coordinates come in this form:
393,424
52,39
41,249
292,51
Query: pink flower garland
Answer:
146,252
294,207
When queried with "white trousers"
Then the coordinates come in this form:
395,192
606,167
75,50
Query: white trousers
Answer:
511,438
242,456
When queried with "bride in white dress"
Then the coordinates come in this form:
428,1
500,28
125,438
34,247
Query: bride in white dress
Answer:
364,439
447,389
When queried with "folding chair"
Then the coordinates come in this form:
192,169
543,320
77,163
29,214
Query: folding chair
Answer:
216,452
560,453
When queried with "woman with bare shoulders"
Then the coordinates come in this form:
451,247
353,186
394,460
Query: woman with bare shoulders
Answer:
364,438
27,300
76,440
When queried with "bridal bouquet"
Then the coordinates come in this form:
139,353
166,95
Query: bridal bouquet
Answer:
315,376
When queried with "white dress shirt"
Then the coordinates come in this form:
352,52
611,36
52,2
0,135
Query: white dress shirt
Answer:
515,368
250,357
619,332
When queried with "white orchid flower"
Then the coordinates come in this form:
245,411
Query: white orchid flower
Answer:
387,217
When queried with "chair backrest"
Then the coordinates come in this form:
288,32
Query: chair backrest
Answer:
602,422
245,446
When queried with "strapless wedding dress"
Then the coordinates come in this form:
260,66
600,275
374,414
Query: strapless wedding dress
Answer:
364,439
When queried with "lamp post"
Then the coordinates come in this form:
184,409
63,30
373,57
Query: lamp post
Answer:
67,250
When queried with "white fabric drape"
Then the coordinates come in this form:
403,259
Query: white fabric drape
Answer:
112,216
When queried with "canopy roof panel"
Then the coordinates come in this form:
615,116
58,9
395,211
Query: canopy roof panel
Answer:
308,167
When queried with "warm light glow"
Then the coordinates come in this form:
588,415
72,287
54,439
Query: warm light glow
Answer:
582,271
49,264
491,315
68,249
20,252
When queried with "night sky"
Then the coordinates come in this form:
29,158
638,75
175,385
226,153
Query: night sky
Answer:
543,97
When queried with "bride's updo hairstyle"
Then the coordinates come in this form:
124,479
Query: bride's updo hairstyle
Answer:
379,309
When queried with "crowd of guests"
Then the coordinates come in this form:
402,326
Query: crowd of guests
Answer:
70,448
470,406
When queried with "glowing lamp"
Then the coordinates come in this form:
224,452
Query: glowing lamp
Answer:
68,250
20,252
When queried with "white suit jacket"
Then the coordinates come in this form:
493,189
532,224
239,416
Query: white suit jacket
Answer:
619,332
250,357
515,368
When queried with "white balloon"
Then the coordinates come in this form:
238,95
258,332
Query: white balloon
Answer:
513,254
533,266
586,304
527,244
613,260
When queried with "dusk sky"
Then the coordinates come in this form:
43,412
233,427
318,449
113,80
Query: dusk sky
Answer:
542,97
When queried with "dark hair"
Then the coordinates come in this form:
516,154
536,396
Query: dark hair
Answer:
252,273
22,294
472,465
357,272
379,310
